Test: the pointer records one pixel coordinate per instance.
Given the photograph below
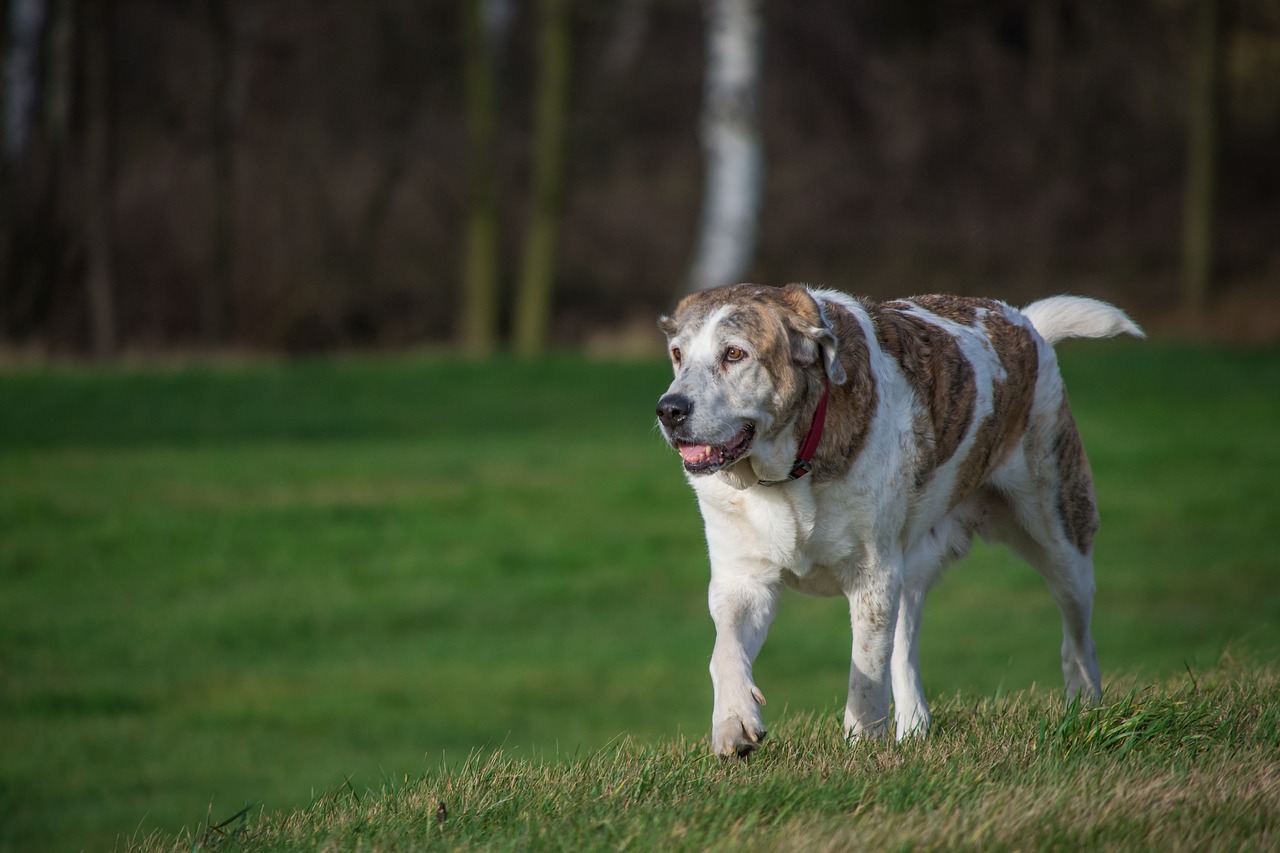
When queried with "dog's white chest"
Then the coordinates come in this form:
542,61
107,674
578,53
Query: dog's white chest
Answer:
780,531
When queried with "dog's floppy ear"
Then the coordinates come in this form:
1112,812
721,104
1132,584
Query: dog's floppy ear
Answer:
811,334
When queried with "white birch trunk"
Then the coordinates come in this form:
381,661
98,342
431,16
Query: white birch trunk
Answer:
731,145
21,73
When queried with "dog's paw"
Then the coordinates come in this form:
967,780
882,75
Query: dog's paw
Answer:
855,729
736,738
912,723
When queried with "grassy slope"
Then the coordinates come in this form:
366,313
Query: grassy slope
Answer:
1188,765
220,586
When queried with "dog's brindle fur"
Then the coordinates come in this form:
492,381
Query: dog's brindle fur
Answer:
947,417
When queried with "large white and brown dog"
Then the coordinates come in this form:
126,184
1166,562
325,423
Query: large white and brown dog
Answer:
844,447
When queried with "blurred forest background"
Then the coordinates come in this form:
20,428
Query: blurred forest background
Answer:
309,175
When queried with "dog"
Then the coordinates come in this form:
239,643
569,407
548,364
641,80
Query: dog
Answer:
839,446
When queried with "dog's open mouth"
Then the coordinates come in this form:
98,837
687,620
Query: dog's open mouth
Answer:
707,458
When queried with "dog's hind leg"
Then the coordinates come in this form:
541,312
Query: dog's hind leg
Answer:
1069,574
1035,531
1070,577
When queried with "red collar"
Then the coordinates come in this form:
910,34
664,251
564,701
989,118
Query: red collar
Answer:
804,459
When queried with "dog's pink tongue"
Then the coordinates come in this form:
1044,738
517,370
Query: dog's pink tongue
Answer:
694,452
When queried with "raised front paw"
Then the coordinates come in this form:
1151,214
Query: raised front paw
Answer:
737,738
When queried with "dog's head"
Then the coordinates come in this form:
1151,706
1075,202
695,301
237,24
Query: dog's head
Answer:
744,358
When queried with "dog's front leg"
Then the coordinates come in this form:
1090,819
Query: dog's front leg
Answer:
742,608
873,610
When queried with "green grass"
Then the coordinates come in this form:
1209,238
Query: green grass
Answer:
258,584
1187,765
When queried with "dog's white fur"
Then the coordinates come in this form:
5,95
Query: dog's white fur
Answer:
880,524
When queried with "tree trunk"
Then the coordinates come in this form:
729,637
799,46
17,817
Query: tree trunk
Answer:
1198,248
731,145
480,263
537,264
21,74
99,179
21,90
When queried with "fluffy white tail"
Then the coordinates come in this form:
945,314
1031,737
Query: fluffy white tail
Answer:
1061,317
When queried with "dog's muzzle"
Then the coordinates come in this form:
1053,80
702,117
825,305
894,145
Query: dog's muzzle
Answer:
700,457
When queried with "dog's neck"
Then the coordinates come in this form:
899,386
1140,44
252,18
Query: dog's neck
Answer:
804,457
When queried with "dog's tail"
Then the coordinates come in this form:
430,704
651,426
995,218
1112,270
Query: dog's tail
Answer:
1060,317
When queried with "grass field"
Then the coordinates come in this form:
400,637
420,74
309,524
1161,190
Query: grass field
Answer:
263,584
1186,765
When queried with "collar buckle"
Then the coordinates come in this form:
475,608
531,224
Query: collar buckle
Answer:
802,467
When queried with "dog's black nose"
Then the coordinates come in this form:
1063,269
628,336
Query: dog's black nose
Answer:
673,409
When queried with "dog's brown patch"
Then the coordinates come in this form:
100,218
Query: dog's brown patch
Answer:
694,309
1076,507
932,361
1011,399
1015,345
798,298
979,461
762,319
963,310
852,404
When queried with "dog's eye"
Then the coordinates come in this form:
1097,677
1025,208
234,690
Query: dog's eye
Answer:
675,355
734,354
